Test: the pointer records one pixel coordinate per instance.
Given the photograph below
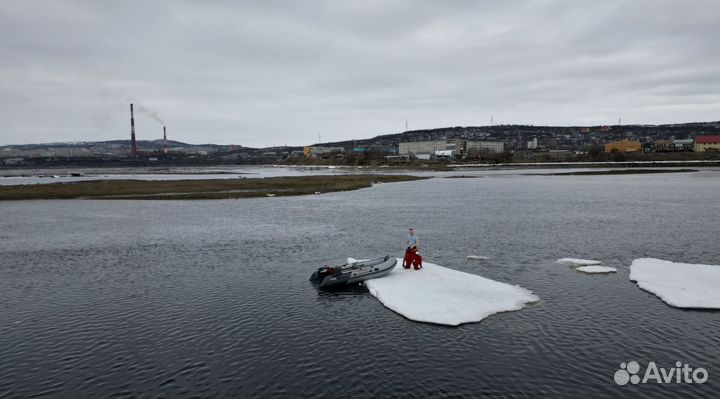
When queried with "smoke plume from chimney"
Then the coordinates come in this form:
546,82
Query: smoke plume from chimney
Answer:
144,110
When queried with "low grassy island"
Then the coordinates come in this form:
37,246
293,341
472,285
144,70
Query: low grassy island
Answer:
197,189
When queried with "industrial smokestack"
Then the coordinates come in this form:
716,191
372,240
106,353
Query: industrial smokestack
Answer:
133,145
164,141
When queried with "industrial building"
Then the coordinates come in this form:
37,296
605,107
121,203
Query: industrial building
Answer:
493,147
707,143
623,146
317,151
663,145
439,148
672,145
532,145
683,145
415,148
445,154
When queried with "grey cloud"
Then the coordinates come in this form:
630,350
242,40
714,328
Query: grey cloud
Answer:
272,72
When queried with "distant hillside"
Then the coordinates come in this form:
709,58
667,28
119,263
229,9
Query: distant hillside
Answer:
141,144
515,136
524,132
113,149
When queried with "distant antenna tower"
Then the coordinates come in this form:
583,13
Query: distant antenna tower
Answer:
319,138
619,121
406,125
491,120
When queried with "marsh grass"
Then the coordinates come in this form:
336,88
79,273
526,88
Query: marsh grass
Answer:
196,189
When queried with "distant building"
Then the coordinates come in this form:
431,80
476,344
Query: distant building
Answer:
495,147
669,145
317,151
623,146
683,145
532,145
415,148
705,143
663,145
445,154
459,147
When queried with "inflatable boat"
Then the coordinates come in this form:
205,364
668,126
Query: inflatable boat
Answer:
349,273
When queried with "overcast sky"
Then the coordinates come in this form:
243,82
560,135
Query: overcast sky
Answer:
262,73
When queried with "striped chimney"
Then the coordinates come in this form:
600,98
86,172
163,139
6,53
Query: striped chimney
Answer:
133,144
164,141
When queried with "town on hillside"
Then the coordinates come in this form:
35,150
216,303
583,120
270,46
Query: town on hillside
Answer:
488,144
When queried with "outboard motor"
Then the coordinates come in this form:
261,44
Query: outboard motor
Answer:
321,273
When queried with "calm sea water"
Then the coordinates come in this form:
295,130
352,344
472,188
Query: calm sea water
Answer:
211,299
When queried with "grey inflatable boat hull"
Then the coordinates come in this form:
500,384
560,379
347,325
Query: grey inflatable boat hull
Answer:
355,272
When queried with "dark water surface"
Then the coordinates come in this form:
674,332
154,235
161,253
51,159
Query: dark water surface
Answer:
211,299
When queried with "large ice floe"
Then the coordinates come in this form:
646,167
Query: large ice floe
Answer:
578,262
683,285
436,294
596,269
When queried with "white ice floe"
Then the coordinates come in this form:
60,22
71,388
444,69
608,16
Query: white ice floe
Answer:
477,257
596,269
683,285
435,294
578,262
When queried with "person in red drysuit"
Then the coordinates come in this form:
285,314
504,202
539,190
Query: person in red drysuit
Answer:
412,257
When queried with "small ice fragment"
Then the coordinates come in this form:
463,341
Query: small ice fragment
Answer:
477,257
435,294
578,262
683,285
596,269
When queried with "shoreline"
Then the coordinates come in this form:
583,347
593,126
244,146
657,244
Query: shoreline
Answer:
595,164
402,166
630,171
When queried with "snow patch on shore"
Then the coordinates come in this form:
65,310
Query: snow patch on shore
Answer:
683,285
436,294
